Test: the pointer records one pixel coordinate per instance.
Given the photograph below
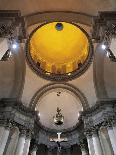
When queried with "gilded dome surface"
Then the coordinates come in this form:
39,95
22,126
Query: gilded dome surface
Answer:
59,48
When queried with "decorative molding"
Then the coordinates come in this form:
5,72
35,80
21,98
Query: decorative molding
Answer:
89,117
22,133
104,24
12,24
14,112
50,16
66,86
34,148
102,114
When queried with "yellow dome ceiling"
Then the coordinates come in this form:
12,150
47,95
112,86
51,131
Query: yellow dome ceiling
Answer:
59,47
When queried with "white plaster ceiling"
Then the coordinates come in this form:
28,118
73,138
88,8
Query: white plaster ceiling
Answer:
32,6
69,104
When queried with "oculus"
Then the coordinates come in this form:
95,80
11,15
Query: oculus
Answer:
59,51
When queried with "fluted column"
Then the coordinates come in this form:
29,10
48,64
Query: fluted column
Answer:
4,138
90,143
27,144
112,138
34,150
96,143
21,143
114,126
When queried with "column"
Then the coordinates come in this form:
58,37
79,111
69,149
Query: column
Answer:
27,144
83,147
4,139
34,150
96,143
112,138
83,151
21,143
105,141
114,126
49,151
90,143
68,152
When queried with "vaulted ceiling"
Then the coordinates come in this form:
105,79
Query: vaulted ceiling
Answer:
32,6
33,82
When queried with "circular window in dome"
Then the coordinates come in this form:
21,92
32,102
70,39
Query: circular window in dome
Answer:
59,51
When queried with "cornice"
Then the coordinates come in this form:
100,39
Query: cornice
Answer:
14,111
103,113
99,106
16,104
69,16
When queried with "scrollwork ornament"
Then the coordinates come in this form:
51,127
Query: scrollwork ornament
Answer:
8,126
34,148
22,132
88,133
29,134
114,122
94,131
82,143
108,123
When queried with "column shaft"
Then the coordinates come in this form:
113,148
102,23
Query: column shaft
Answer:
20,145
84,152
112,139
90,145
26,146
33,152
97,145
49,152
68,152
114,129
4,140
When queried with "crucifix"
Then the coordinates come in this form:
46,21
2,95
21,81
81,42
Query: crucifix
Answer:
58,140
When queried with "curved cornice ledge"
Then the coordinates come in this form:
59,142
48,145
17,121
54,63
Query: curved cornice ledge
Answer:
49,16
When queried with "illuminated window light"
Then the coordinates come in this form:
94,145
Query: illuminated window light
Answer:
38,114
103,46
69,73
14,45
